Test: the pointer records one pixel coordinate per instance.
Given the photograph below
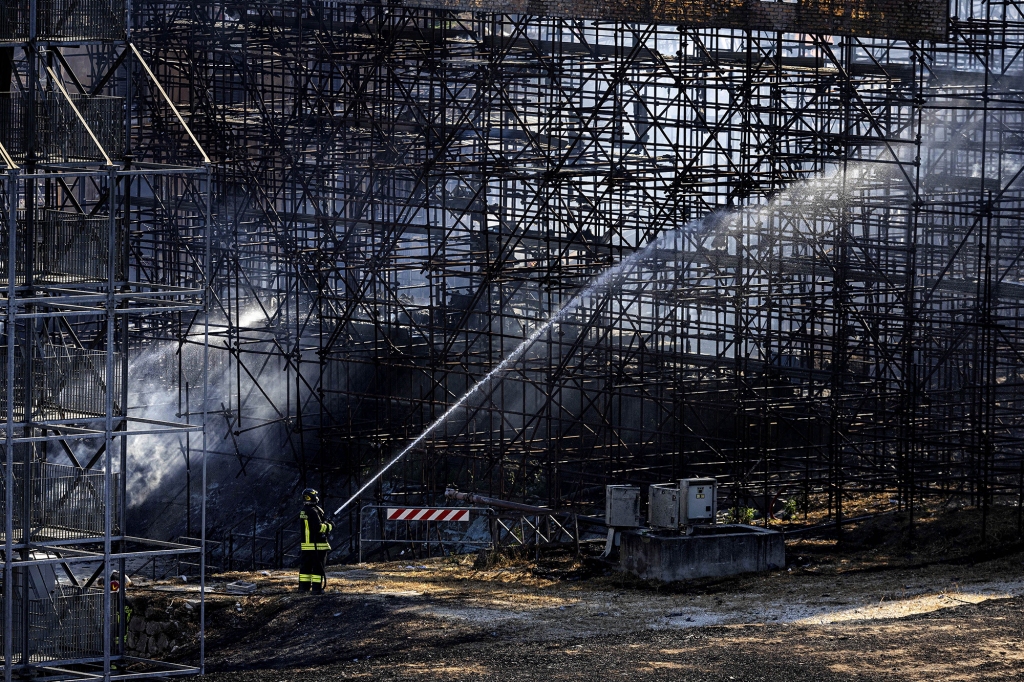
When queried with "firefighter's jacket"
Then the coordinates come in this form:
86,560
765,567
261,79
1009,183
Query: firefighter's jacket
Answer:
314,529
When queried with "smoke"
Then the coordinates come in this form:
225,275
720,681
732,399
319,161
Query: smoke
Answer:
166,384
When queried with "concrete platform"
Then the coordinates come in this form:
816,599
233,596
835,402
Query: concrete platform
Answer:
711,552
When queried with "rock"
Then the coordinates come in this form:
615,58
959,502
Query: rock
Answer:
240,587
162,643
152,628
153,613
137,625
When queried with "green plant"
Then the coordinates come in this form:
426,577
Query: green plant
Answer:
791,508
742,515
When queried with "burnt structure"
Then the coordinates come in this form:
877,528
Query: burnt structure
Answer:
405,192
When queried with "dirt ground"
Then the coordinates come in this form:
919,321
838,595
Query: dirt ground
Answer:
942,604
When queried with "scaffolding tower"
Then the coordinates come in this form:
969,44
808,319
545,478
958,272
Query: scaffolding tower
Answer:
404,192
103,257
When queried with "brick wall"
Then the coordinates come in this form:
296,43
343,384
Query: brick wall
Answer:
897,19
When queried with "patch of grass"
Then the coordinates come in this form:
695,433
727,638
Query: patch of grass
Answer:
942,532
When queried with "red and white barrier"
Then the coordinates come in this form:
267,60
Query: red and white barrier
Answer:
404,514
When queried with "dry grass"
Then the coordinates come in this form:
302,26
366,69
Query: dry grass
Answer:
886,604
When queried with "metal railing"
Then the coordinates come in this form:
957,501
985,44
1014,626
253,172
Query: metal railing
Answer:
423,538
537,530
14,17
66,502
67,140
76,248
68,383
67,248
65,625
63,20
242,547
60,136
73,383
22,244
246,547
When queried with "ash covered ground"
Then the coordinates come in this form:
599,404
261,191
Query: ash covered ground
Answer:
942,605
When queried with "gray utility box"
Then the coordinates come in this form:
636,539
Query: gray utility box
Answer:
698,501
663,506
622,506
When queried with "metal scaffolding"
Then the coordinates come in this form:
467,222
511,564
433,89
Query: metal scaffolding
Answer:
403,195
104,254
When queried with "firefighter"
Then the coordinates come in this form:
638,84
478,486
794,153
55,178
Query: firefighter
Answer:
313,547
115,587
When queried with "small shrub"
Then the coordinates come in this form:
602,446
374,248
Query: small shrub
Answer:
742,515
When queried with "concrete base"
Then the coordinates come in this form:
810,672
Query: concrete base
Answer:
711,552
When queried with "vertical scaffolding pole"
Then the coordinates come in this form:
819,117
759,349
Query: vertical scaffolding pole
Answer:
13,192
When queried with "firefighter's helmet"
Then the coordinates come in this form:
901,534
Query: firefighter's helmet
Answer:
310,496
115,581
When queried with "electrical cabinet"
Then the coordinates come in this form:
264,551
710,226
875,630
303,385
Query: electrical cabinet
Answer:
622,506
663,506
698,501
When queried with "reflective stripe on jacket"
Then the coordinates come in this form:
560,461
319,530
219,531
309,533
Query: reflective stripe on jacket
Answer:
314,529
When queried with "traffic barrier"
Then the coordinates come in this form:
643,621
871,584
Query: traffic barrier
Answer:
421,532
401,514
